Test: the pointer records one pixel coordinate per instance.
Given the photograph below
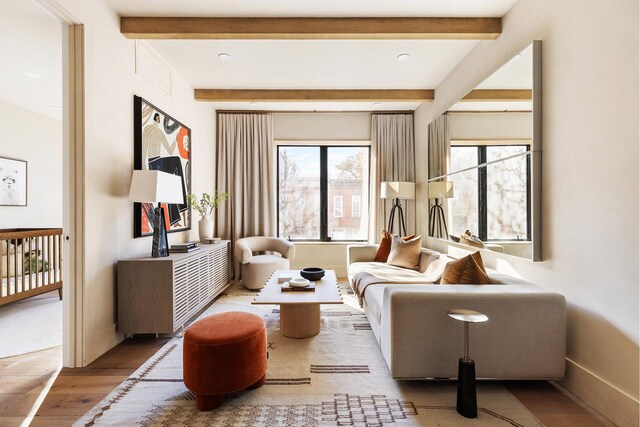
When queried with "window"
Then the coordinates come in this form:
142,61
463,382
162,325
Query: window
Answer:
355,206
337,206
492,201
314,183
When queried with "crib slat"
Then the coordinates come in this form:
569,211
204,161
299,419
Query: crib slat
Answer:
29,272
24,285
60,256
48,261
55,257
31,263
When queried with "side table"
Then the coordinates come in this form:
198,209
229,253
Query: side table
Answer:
467,404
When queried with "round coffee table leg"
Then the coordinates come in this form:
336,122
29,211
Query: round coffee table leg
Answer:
299,320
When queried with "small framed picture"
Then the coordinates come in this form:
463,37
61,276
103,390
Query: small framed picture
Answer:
13,182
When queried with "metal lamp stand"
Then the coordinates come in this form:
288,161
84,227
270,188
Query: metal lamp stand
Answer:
437,221
396,206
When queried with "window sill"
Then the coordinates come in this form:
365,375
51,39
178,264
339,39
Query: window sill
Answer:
336,243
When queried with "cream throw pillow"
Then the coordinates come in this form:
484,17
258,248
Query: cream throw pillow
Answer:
405,254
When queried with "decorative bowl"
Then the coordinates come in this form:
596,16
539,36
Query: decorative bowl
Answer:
312,273
299,283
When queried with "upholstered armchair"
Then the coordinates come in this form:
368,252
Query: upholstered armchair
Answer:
274,255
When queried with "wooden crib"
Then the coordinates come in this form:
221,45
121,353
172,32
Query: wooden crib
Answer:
31,263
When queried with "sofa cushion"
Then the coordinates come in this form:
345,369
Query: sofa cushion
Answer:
405,253
466,271
385,246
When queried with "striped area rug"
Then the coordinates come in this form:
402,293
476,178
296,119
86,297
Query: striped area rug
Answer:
337,378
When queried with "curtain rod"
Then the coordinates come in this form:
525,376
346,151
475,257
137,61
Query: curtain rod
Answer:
310,112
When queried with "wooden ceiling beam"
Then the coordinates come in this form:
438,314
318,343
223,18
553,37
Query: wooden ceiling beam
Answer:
295,95
310,28
498,95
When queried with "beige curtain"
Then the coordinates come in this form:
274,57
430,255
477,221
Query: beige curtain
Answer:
392,159
246,168
439,146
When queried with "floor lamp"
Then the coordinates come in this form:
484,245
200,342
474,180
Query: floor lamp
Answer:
397,190
437,218
149,186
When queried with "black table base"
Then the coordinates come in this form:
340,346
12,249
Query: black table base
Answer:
467,404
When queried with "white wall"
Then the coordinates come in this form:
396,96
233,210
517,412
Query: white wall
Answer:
590,181
329,255
322,126
110,85
36,138
515,125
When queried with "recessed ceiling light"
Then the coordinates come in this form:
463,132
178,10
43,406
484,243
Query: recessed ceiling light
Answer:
377,104
253,104
403,57
33,75
224,57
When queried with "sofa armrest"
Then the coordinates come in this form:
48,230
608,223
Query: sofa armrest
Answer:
361,253
525,336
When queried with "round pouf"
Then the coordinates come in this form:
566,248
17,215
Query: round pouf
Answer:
224,353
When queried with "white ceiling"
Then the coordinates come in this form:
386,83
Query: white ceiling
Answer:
31,42
314,64
517,73
314,8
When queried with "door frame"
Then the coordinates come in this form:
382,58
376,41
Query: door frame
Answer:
73,182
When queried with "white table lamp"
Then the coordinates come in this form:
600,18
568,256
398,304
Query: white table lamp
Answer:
149,186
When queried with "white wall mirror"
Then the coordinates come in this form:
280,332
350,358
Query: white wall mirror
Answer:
485,162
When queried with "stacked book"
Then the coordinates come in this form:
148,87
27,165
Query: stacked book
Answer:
184,247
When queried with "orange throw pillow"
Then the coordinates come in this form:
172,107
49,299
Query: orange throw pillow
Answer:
465,271
385,246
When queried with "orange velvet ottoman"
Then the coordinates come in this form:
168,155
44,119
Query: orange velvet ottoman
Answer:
224,353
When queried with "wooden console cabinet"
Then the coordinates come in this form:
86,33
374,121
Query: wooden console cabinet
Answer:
158,295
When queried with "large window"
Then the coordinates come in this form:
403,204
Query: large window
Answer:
492,201
323,192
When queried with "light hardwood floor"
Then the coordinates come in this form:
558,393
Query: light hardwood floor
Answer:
75,391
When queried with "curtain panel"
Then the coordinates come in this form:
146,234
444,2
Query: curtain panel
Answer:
392,159
246,169
439,147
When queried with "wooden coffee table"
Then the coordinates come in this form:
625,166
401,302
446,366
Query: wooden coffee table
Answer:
300,310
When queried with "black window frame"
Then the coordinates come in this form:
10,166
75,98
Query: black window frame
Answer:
324,190
483,191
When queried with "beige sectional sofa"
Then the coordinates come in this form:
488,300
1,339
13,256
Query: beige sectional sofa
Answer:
525,336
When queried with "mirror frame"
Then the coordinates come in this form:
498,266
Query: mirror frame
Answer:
535,158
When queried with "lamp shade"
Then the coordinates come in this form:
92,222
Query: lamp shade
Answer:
397,190
155,187
442,189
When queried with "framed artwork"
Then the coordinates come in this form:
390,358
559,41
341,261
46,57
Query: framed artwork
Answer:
13,182
161,143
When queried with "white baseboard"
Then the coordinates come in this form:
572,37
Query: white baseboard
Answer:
613,403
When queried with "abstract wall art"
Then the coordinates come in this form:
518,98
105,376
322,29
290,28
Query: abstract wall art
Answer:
161,143
13,182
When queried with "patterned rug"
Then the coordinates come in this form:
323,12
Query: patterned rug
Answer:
337,378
